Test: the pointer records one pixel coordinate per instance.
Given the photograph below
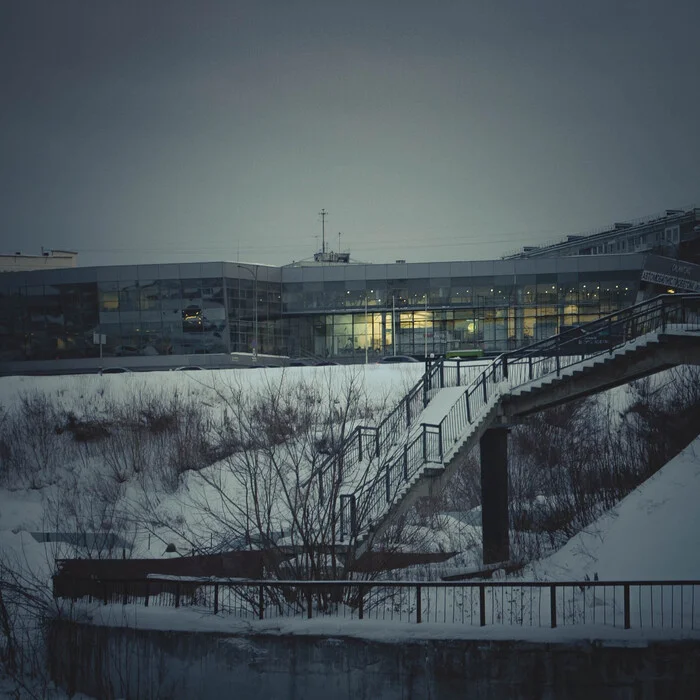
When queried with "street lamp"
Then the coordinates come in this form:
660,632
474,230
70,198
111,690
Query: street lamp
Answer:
254,274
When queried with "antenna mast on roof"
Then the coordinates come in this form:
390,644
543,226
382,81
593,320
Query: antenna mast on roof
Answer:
323,214
328,256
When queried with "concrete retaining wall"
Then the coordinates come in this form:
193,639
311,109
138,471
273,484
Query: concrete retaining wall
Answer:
112,662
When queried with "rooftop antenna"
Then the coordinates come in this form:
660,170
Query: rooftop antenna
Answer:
323,214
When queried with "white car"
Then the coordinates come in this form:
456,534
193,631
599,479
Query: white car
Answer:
396,359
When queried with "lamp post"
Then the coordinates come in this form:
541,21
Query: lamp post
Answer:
367,335
425,330
254,274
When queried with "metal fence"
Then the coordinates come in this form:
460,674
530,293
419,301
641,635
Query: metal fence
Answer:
620,604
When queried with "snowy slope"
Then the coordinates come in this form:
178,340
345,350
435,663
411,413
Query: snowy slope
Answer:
652,534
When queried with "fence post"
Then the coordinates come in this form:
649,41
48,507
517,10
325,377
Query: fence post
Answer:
482,605
353,516
376,442
387,481
505,367
147,593
419,606
553,604
442,374
529,367
408,413
261,602
626,604
361,603
469,412
483,382
425,443
405,462
459,374
425,383
359,444
610,338
216,598
440,440
558,359
177,594
309,601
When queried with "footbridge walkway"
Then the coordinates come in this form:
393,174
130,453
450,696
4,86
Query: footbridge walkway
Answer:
405,458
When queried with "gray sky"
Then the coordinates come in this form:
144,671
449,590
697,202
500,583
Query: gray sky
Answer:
155,131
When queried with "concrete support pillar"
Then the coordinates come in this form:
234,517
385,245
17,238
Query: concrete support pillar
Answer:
494,495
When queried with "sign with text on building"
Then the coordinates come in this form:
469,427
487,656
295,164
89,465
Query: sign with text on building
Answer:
672,274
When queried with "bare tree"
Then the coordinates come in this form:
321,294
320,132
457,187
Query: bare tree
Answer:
278,483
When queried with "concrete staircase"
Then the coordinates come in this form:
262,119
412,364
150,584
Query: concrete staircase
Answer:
515,385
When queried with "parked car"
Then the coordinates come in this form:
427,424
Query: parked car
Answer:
115,370
187,368
310,363
126,351
396,359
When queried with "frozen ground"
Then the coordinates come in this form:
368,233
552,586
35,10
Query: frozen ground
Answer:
654,533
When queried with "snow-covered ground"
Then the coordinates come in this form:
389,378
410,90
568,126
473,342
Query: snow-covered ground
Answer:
25,510
652,534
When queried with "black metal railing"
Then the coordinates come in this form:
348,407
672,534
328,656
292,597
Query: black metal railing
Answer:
622,604
373,447
428,444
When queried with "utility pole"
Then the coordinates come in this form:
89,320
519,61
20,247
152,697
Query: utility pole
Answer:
323,213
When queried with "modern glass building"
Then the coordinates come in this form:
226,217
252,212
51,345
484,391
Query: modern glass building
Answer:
328,309
423,308
146,310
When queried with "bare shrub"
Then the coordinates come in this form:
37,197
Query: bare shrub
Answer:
85,430
570,464
265,490
33,448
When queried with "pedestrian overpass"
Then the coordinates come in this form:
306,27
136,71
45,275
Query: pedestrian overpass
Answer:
403,459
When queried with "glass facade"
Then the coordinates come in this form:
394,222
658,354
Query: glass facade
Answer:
163,317
339,311
46,321
415,316
138,315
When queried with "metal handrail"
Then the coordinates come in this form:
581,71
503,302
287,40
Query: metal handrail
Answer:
402,417
372,499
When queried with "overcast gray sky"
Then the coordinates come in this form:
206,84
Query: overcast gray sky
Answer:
156,131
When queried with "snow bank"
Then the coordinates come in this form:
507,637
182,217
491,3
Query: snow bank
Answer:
652,534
